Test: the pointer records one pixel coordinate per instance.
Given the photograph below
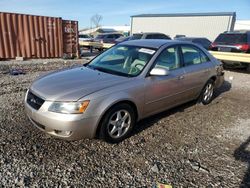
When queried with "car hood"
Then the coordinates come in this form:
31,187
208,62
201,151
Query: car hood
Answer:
73,84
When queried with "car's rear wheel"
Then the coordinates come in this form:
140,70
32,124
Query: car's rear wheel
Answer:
207,93
117,123
248,68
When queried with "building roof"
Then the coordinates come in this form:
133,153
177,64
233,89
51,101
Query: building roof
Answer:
188,14
106,29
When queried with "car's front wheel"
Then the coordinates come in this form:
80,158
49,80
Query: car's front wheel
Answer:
117,123
207,93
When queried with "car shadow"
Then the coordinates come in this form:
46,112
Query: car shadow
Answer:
150,121
238,70
223,89
243,155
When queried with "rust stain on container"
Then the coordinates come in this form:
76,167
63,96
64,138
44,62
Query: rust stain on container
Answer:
32,36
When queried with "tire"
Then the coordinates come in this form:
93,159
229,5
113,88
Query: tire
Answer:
248,68
207,93
117,123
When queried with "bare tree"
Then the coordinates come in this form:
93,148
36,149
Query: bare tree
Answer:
96,19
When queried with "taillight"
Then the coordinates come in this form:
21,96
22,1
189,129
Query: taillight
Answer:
243,47
212,45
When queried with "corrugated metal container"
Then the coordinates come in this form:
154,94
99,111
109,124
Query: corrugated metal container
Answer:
70,38
192,24
32,36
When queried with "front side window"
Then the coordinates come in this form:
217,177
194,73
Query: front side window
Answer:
193,56
123,60
168,59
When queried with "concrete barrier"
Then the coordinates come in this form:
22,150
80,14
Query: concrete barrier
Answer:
231,56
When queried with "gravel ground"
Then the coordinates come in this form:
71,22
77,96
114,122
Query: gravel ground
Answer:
188,146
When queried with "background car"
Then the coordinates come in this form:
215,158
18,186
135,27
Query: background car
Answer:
126,83
122,39
238,42
148,35
107,37
204,42
179,36
138,36
83,37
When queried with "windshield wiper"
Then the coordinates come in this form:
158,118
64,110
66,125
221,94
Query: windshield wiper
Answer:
108,71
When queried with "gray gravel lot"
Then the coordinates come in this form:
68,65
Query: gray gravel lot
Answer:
189,146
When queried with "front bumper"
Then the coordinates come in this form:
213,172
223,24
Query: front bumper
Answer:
65,126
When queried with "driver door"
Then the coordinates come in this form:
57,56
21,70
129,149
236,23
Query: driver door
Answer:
164,92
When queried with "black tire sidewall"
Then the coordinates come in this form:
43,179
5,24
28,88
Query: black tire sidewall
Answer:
104,122
201,98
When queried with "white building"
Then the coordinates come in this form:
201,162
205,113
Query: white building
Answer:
242,25
192,24
106,29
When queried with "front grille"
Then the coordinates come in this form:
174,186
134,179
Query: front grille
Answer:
34,101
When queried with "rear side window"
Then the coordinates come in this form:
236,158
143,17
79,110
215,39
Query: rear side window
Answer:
118,36
136,36
169,59
110,36
203,42
237,38
193,56
160,36
149,37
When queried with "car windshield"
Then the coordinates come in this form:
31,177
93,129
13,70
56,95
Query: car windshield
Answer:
123,60
231,39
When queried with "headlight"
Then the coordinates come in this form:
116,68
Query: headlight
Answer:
69,107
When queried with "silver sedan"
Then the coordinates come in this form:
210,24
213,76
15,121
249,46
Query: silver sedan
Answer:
132,80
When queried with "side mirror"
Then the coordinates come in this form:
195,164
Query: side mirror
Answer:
159,72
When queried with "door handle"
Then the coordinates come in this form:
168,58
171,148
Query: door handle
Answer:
180,77
206,71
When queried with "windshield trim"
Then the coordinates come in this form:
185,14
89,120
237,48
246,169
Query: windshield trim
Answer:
109,71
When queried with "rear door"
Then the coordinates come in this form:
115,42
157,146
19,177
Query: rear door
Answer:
163,92
197,67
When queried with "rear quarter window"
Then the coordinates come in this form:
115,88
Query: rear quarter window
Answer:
193,55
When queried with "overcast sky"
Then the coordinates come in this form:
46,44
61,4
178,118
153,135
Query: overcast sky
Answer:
118,12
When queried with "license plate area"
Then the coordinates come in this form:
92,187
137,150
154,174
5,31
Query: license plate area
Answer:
224,49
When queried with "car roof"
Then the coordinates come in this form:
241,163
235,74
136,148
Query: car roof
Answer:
237,32
150,33
190,38
151,43
109,33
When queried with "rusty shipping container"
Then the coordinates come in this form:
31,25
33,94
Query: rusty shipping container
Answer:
32,36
